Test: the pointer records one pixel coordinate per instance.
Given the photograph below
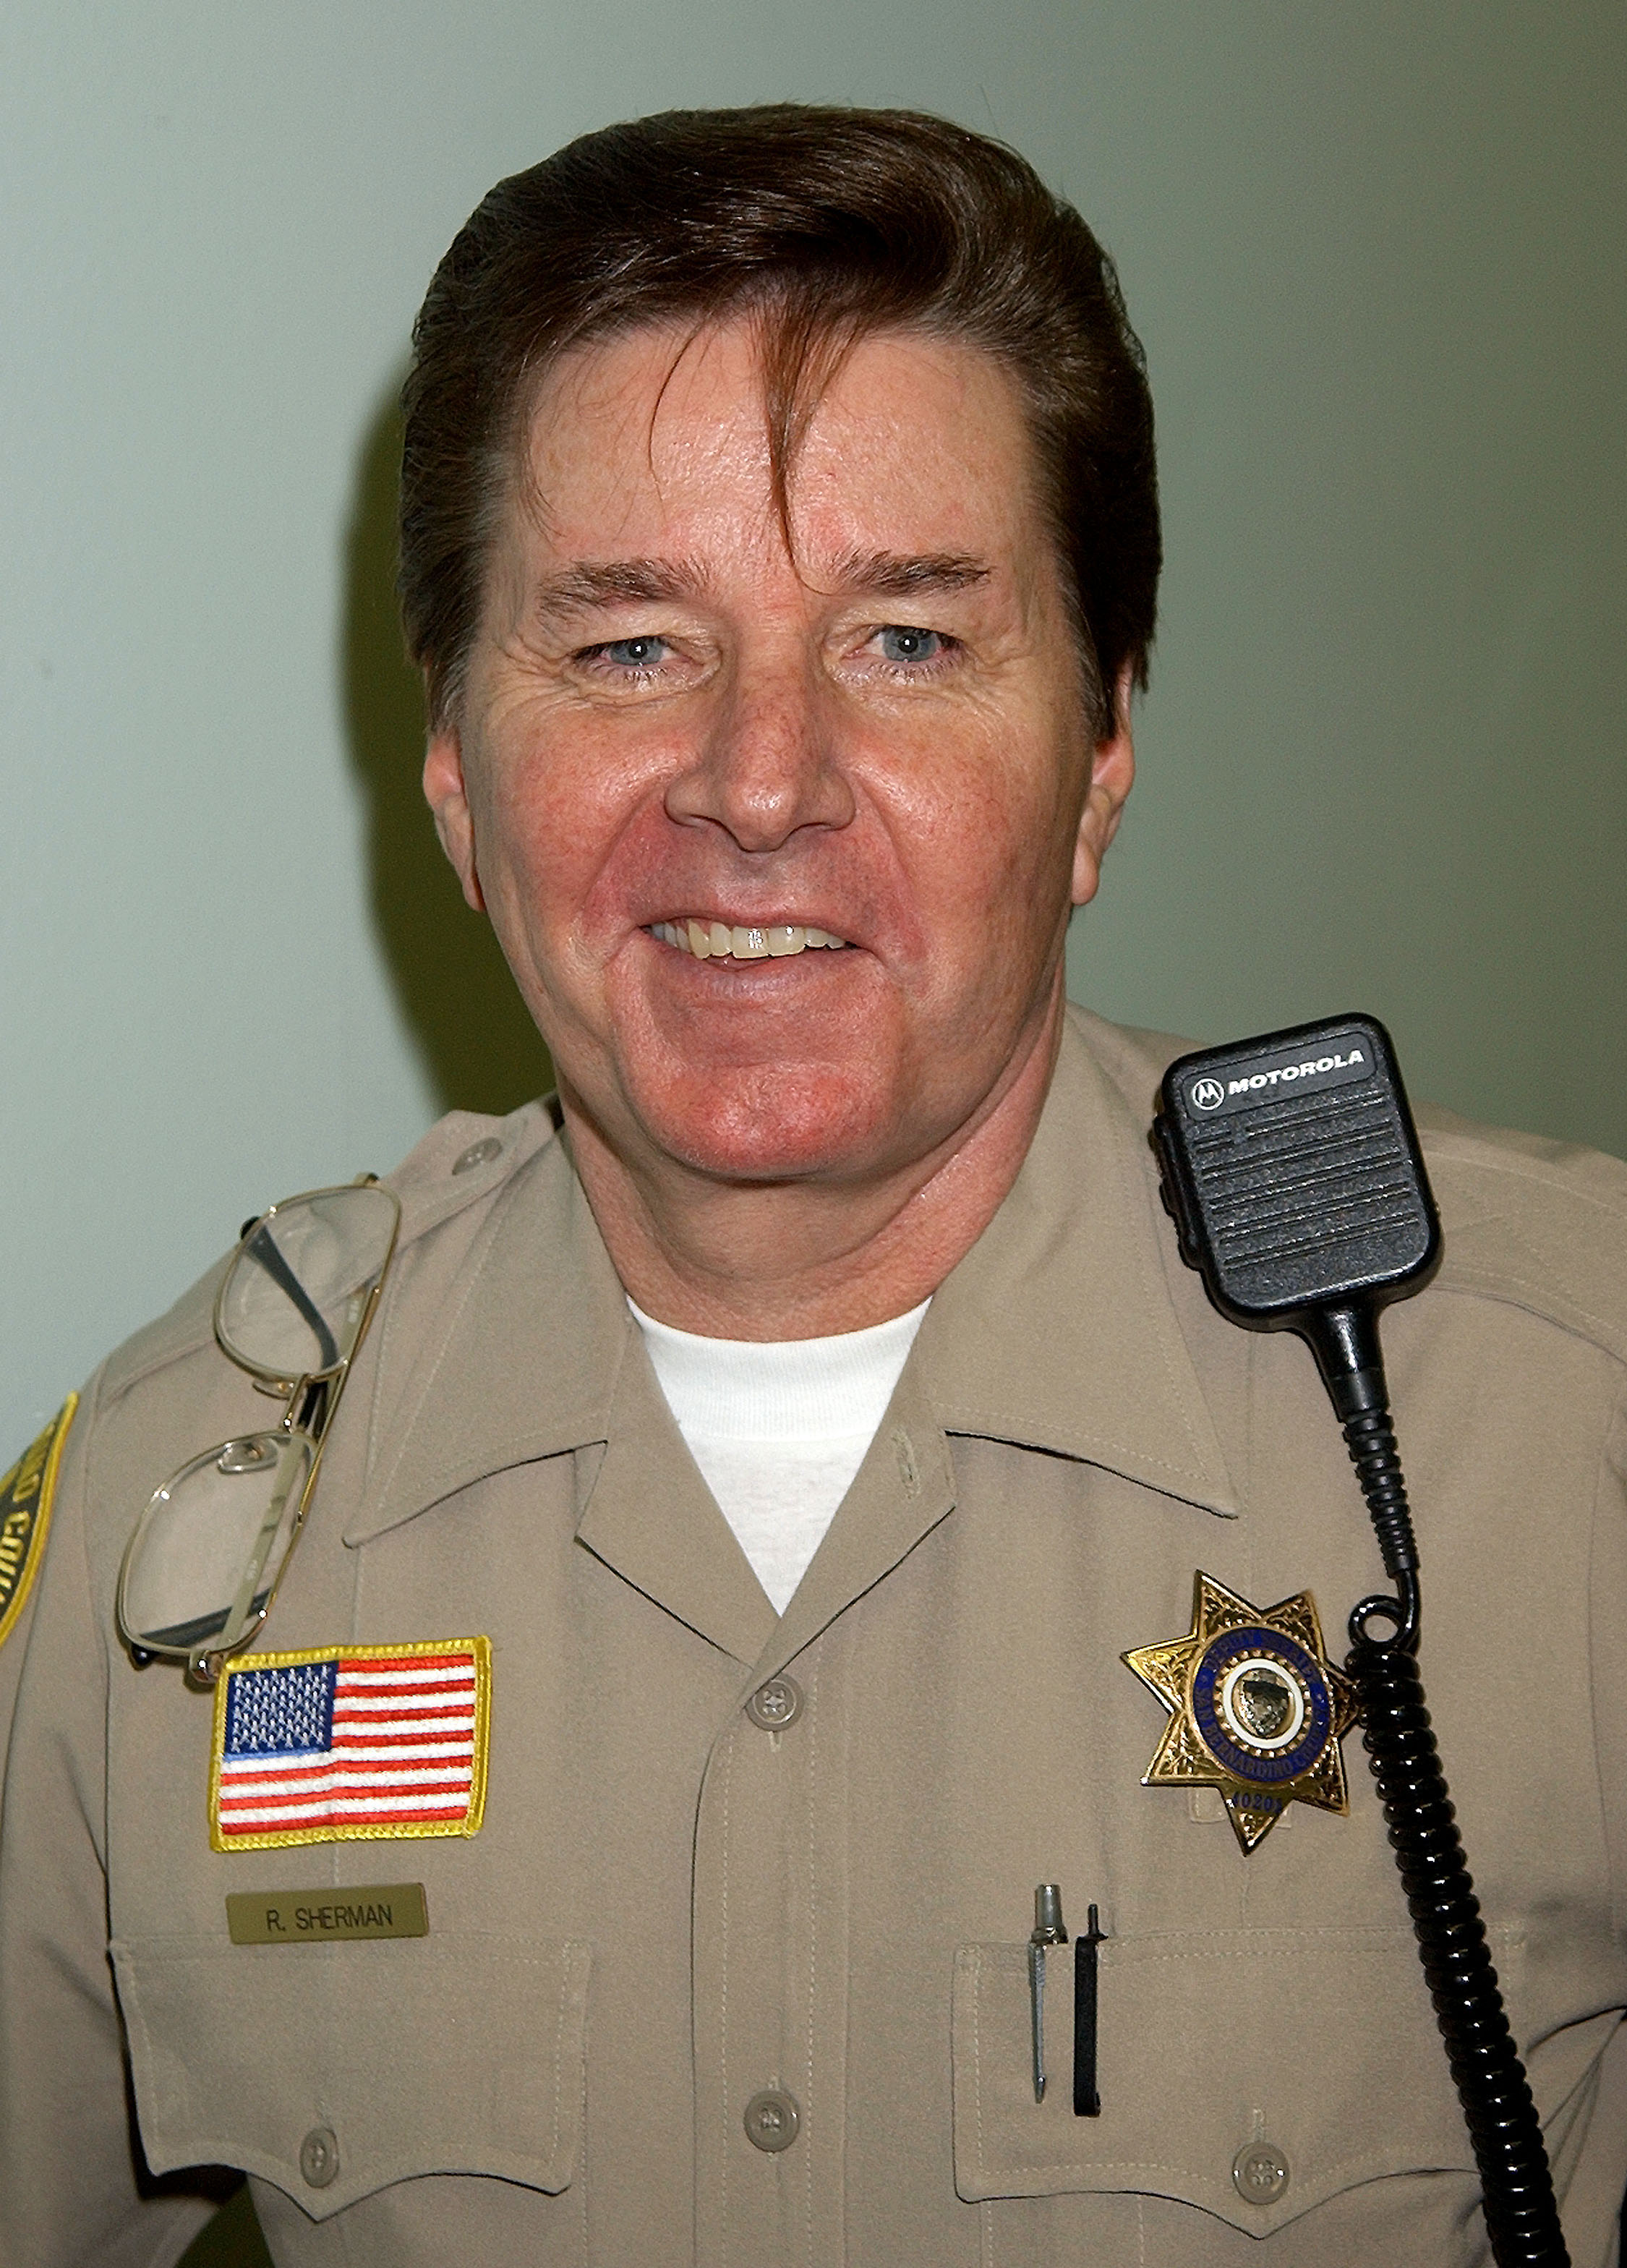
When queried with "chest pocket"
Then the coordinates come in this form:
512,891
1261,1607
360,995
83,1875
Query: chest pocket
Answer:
1254,2073
333,2071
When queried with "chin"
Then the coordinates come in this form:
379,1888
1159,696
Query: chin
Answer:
775,1125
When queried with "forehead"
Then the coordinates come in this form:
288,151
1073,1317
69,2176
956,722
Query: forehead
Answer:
660,439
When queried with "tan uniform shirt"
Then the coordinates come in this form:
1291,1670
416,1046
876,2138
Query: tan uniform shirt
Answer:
670,1909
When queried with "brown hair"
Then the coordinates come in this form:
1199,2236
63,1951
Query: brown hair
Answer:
825,225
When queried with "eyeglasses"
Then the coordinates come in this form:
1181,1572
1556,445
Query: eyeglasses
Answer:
202,1568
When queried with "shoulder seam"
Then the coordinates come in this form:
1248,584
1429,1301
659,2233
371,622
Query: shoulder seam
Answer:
1541,1302
1551,1179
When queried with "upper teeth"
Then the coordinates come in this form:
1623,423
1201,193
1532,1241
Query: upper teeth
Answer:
709,940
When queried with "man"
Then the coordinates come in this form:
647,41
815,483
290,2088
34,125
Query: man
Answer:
762,1457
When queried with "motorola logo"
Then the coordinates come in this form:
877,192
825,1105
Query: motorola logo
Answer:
1267,1078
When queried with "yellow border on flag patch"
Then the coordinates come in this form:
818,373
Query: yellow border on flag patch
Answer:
403,1830
26,1495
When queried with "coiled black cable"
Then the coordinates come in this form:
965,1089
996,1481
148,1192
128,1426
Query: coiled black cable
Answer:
1522,2218
1370,1437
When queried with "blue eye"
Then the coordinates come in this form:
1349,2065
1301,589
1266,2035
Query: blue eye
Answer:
634,652
901,644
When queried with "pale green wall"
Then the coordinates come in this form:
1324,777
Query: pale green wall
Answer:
1375,255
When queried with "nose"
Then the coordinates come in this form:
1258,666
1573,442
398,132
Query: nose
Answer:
767,765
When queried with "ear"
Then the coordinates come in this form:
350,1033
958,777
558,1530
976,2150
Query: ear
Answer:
448,798
1112,775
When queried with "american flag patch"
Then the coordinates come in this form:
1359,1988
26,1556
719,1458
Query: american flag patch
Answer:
350,1743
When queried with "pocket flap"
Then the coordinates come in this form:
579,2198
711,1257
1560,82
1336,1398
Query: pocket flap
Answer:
1319,2044
438,2055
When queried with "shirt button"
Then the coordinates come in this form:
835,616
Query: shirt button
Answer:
318,2157
1260,2172
775,1704
478,1153
772,2119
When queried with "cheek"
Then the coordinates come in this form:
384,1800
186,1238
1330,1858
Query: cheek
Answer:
988,850
551,823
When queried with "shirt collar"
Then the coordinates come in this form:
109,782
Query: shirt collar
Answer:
1065,1326
1058,1331
526,1348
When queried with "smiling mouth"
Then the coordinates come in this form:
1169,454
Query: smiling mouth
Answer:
716,940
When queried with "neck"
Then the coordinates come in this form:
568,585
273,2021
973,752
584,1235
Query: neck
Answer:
806,1259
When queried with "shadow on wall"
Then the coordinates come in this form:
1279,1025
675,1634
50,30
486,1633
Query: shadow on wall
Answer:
479,1047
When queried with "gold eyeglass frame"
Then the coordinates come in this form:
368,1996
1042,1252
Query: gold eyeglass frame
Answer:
301,1436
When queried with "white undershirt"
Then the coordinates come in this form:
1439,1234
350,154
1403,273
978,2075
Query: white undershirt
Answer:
779,1427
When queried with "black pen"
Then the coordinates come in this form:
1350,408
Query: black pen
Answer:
1087,2101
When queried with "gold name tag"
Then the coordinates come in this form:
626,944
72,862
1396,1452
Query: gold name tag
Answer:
320,1916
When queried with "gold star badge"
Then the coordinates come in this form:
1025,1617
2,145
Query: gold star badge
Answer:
1255,1708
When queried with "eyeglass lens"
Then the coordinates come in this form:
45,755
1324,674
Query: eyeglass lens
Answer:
233,1506
298,1289
211,1544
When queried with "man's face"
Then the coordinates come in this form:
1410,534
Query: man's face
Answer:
678,733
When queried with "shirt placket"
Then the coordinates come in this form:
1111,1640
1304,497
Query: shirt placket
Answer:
771,1966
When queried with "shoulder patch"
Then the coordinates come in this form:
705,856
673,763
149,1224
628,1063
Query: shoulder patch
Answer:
25,1494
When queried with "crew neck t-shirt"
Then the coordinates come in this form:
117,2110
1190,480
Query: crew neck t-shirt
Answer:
779,1427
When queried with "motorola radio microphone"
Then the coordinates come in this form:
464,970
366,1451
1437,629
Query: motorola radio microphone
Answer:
1292,1172
1296,1182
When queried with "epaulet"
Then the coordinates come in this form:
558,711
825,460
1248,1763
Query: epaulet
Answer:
462,1157
1541,1225
186,1326
26,1495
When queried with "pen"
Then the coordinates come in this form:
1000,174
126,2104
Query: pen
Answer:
1087,2101
1048,1930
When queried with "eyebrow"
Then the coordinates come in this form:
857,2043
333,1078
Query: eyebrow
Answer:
589,583
901,575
